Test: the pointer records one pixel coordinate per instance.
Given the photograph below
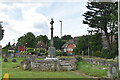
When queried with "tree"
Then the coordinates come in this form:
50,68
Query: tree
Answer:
99,16
91,41
8,44
66,37
82,44
1,32
43,38
30,40
27,40
57,42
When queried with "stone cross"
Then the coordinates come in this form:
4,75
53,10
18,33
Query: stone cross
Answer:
51,50
52,32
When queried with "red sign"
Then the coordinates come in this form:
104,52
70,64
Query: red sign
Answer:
21,48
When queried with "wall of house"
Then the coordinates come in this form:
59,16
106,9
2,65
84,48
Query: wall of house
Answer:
70,48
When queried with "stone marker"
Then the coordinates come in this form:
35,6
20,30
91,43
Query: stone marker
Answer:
13,60
5,60
51,50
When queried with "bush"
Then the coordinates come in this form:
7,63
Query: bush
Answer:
13,60
105,53
58,52
45,54
97,53
63,53
22,52
116,77
108,53
79,58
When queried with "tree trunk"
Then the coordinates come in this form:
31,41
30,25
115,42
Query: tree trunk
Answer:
108,40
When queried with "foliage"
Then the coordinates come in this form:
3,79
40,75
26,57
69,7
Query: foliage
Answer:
116,76
91,41
64,53
43,38
30,50
75,51
109,53
58,52
41,50
22,52
79,58
100,16
27,40
5,49
46,53
66,37
81,44
97,53
91,70
1,32
57,42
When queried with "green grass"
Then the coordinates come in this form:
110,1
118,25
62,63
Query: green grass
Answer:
83,67
92,70
14,72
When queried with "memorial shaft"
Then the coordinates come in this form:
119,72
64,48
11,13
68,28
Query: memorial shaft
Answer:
52,32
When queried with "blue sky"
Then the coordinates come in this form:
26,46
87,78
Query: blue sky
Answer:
22,17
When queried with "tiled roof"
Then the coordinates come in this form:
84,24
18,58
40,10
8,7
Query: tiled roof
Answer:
69,42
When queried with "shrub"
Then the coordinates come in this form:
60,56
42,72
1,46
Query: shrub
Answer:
105,53
116,77
79,58
97,53
22,52
45,54
63,53
58,52
13,60
108,53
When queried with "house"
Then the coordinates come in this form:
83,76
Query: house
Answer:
42,45
11,50
69,46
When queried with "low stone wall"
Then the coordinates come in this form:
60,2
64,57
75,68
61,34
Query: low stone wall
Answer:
48,65
100,62
44,65
112,66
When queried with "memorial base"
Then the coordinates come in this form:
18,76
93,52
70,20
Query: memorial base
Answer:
47,58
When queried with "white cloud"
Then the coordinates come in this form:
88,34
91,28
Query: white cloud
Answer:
31,21
71,16
41,0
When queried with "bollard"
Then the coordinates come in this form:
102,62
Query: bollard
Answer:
6,77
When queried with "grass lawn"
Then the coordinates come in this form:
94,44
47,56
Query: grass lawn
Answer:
15,72
92,70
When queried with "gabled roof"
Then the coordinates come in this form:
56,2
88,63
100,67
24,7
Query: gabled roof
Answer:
69,42
41,44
